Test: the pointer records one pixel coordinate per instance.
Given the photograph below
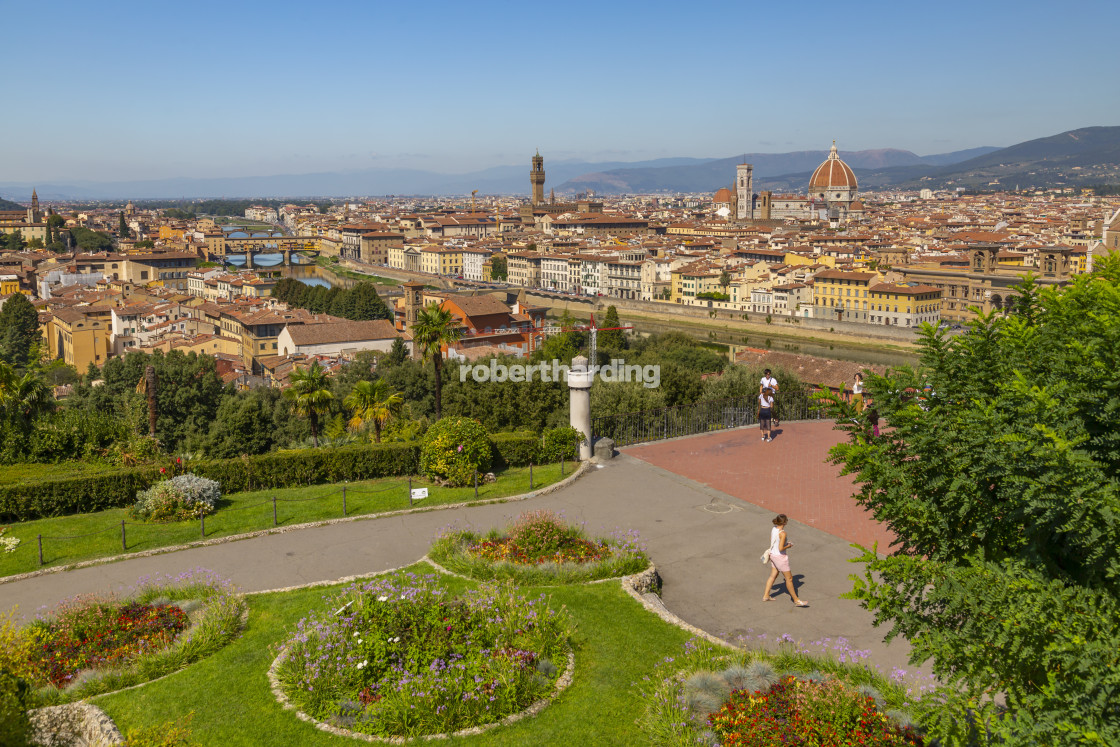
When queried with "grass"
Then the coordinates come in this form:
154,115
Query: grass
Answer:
617,643
242,512
341,271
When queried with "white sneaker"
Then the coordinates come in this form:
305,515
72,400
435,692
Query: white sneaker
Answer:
764,438
769,439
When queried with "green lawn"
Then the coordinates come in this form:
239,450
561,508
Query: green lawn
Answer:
242,512
17,473
338,269
617,643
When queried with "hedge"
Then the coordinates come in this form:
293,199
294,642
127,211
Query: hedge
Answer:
54,496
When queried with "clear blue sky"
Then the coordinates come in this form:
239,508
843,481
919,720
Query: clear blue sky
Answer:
124,90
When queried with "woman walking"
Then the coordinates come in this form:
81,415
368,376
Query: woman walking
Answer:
779,561
765,408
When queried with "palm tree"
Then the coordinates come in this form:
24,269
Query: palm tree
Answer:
310,395
373,402
22,397
434,328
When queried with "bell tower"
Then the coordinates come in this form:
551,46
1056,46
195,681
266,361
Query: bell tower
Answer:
33,215
744,192
536,179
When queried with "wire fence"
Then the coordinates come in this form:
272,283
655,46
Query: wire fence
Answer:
701,417
348,493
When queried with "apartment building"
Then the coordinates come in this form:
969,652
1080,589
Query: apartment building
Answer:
908,305
842,295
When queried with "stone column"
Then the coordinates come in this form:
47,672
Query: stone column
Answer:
579,392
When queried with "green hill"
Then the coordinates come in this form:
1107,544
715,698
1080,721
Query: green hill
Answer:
9,205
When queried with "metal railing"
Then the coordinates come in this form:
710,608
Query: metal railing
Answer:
348,492
701,417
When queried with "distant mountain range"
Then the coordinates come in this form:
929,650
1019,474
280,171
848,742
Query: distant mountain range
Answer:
1086,156
1079,157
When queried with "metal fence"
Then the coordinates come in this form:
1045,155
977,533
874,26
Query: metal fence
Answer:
701,417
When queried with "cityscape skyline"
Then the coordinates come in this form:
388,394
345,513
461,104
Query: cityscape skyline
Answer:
265,90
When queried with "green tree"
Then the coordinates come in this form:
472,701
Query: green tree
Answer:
366,304
499,269
243,425
724,280
19,332
373,402
612,339
13,242
22,398
398,353
91,241
434,328
999,476
310,395
122,229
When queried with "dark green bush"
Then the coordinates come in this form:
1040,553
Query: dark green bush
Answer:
561,442
36,498
454,449
515,449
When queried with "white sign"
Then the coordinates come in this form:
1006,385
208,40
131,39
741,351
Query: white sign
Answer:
419,493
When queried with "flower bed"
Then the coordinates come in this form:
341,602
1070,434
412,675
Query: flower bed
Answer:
755,699
802,710
539,548
402,657
91,645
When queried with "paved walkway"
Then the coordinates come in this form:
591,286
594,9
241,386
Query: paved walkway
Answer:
705,539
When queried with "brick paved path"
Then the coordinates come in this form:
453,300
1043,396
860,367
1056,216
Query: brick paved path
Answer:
789,475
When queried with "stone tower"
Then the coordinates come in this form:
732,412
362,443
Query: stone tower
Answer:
744,192
413,303
33,215
536,178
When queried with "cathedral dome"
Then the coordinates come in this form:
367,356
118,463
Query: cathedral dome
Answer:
722,195
832,174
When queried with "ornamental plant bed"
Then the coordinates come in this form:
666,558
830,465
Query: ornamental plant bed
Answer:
402,657
95,644
539,547
757,698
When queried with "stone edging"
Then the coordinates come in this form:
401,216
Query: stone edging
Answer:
583,467
562,683
640,587
428,559
79,723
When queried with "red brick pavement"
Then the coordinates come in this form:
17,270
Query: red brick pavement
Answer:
789,475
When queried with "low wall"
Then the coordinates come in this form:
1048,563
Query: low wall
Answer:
754,322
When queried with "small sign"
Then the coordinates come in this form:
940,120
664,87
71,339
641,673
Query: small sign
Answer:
419,493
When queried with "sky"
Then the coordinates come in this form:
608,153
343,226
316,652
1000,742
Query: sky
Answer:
111,90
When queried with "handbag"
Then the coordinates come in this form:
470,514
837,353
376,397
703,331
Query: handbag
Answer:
766,556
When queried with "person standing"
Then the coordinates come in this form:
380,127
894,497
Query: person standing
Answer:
765,410
779,561
857,393
769,382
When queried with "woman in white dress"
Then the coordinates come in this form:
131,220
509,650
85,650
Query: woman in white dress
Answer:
779,561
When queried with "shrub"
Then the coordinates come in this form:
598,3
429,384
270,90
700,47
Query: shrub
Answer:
561,443
170,734
515,449
410,659
183,497
15,700
453,449
16,645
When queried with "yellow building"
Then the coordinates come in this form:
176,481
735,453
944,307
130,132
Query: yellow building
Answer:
436,260
80,336
9,284
171,232
842,296
692,279
904,305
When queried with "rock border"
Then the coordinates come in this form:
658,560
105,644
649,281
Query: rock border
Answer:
79,724
562,683
583,467
641,586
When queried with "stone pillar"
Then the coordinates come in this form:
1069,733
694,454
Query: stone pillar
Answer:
579,392
248,259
